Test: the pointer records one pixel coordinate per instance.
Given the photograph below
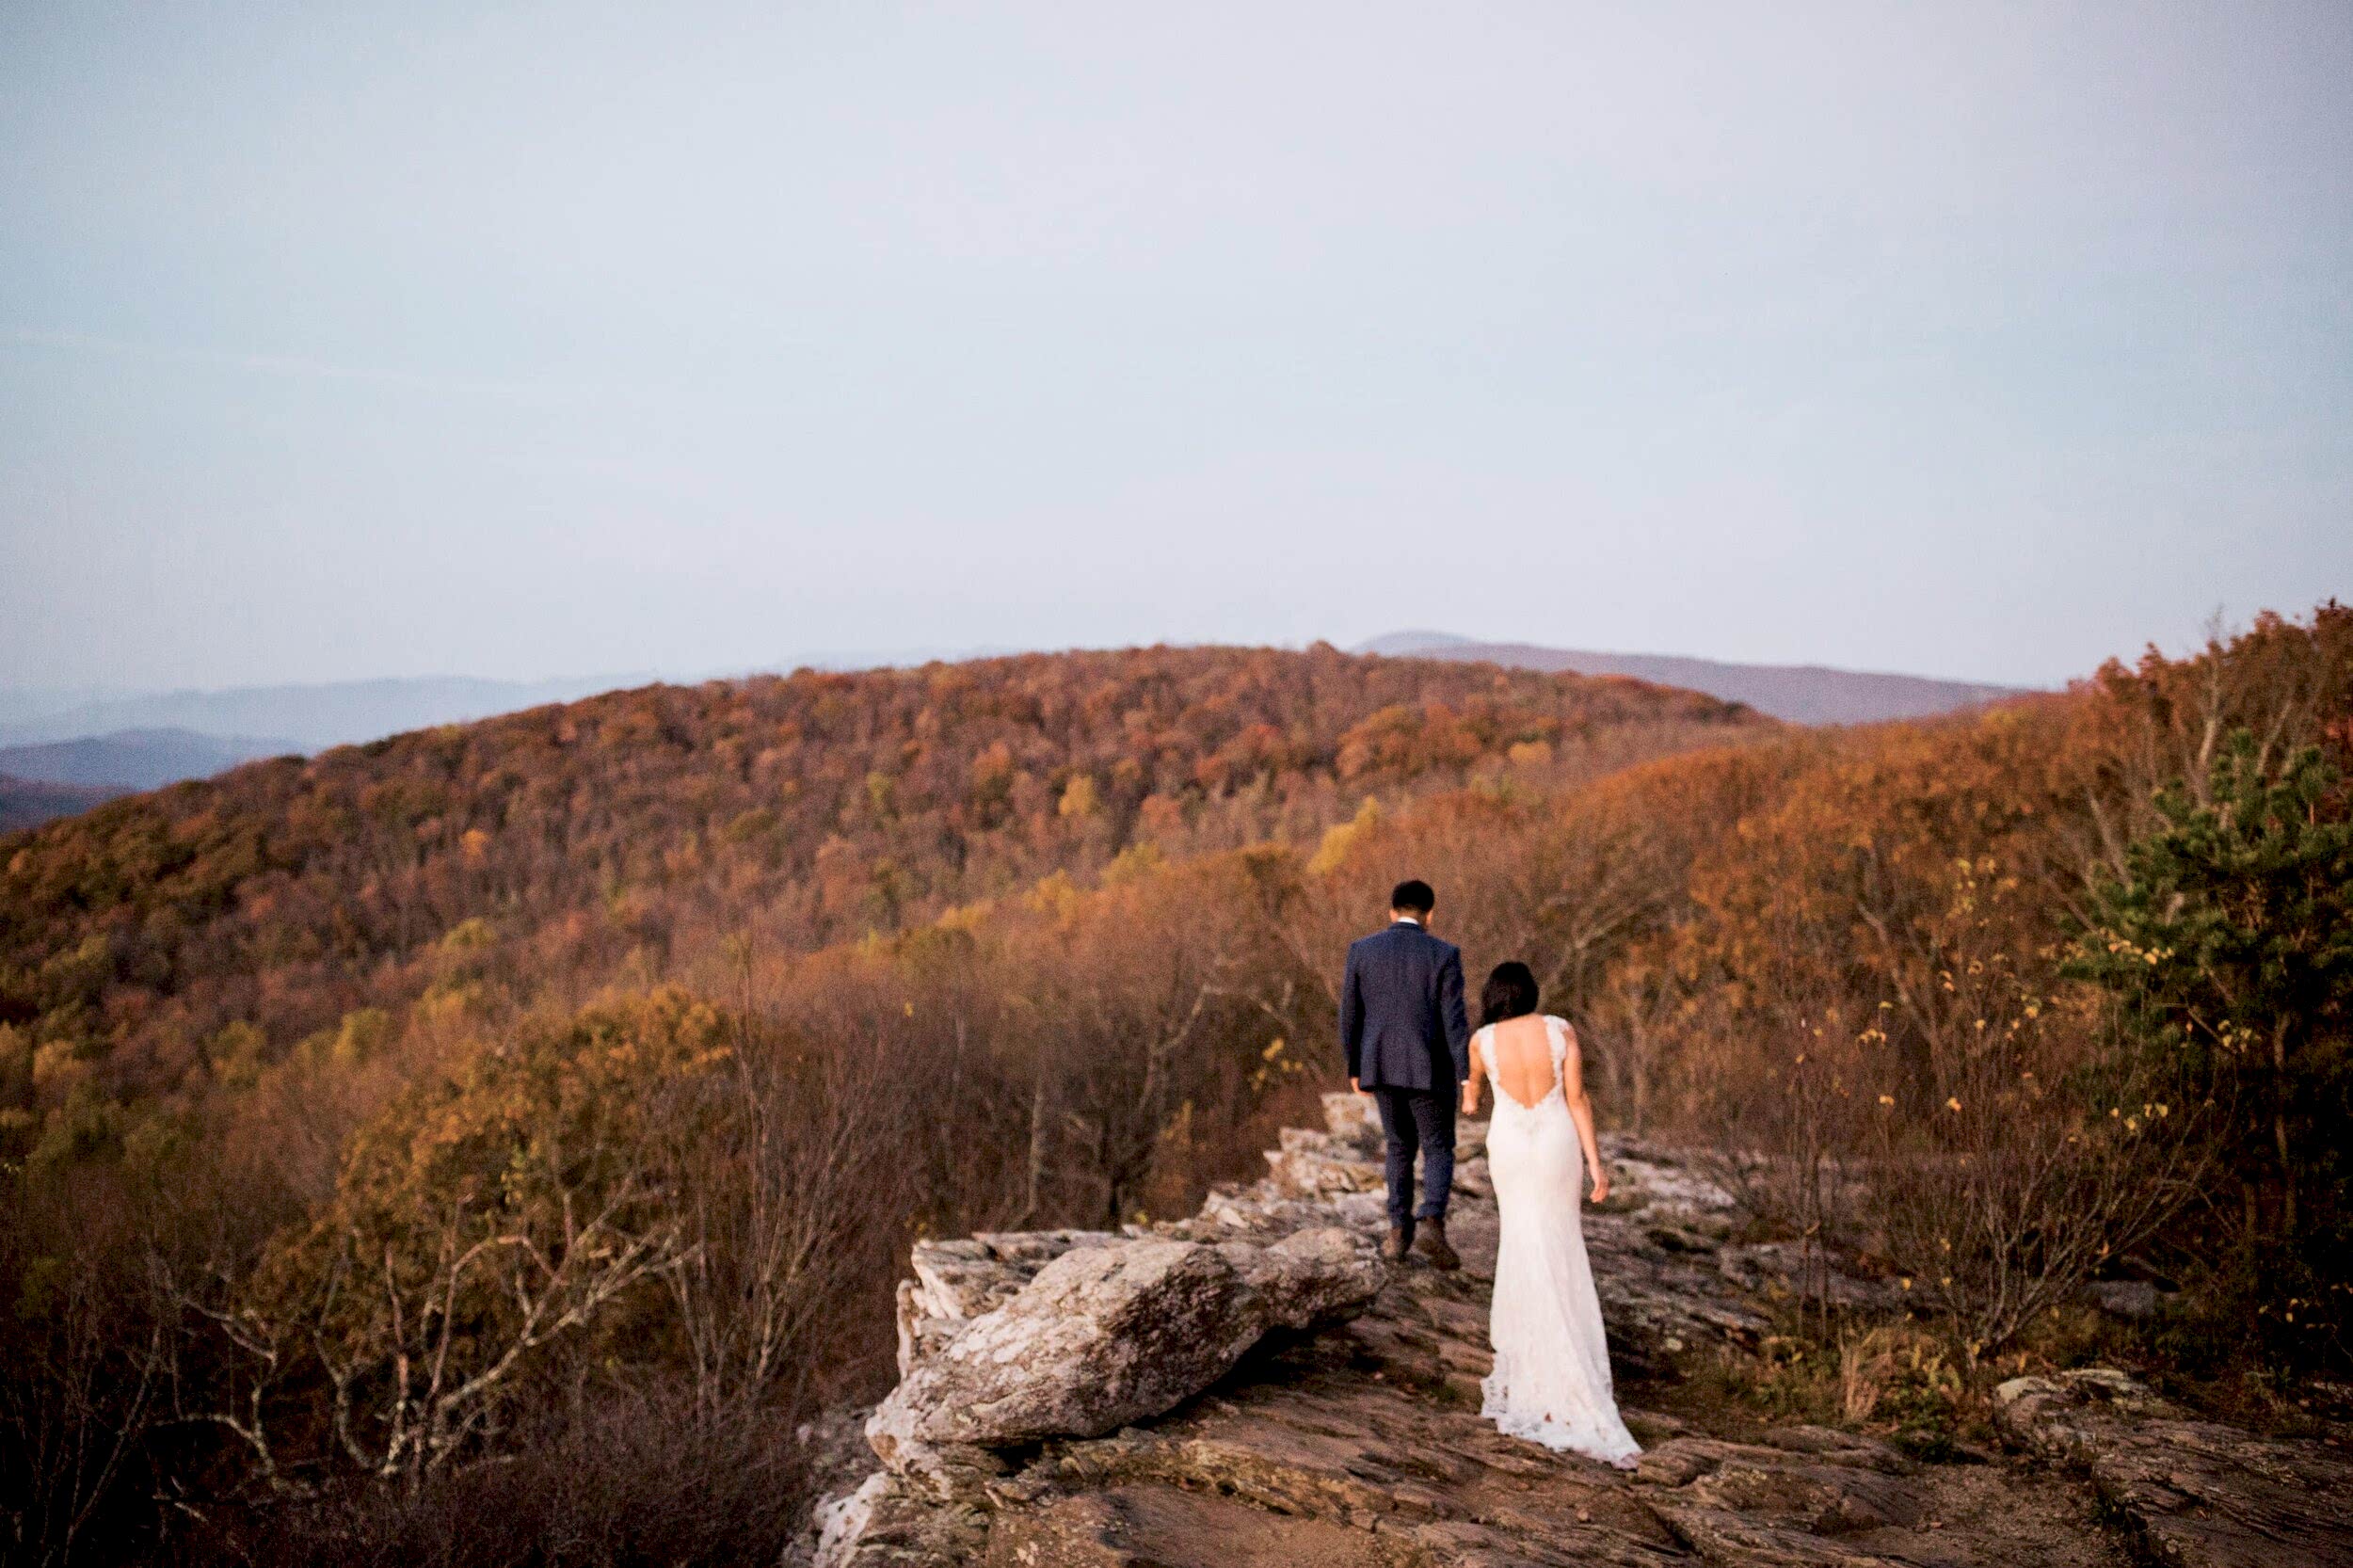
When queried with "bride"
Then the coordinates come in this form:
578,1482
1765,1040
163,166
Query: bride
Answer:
1551,1380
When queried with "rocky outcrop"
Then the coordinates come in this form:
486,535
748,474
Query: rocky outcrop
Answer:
1108,1332
955,1282
1245,1386
2196,1492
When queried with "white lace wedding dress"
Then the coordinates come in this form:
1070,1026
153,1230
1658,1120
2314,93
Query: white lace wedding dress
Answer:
1551,1381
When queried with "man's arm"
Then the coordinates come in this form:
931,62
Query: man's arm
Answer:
1450,1010
1352,1019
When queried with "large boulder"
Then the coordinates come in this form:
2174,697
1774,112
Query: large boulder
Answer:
957,1281
1309,1280
1106,1336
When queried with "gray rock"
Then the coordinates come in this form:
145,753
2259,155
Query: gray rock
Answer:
1353,1119
2199,1494
957,1281
1650,1176
841,1521
1316,1165
1038,1247
1311,1279
1105,1335
1783,1268
883,1525
2134,1299
1352,1122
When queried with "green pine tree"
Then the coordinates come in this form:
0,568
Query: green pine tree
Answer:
2230,935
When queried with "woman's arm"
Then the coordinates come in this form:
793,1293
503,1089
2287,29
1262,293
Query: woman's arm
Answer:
1582,1111
1470,1084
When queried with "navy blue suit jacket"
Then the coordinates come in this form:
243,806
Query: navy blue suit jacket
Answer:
1402,1010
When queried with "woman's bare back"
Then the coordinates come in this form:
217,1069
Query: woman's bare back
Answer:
1521,1064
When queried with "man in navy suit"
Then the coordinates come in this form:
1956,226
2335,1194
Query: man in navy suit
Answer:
1408,1044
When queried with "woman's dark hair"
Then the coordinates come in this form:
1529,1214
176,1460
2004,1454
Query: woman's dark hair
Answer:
1510,993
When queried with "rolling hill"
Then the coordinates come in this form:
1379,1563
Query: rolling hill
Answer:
1798,693
798,810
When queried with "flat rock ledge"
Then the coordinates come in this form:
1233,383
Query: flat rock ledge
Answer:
1249,1388
2194,1493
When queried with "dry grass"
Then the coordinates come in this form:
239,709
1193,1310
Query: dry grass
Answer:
1900,1373
1903,1381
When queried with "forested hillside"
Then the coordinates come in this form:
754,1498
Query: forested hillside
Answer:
204,929
531,1119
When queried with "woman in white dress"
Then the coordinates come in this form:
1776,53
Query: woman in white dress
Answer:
1551,1381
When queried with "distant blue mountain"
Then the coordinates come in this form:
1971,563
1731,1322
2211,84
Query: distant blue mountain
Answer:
26,804
135,759
308,718
1799,694
1399,644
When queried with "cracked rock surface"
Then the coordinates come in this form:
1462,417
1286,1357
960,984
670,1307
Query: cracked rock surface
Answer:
1249,1387
2194,1493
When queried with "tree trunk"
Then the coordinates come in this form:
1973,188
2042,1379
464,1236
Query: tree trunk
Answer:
2280,1127
1037,1146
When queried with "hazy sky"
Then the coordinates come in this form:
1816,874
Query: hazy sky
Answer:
341,340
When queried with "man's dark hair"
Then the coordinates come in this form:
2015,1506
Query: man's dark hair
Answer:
1510,993
1413,898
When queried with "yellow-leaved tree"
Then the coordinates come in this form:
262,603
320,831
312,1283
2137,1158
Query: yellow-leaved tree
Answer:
479,1220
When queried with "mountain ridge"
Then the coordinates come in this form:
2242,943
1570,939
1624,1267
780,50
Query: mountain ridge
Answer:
309,716
30,802
133,760
1798,694
313,715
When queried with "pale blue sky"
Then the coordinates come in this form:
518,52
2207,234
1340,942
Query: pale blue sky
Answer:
344,341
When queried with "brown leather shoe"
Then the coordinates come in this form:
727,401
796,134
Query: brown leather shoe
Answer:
1400,1241
1433,1246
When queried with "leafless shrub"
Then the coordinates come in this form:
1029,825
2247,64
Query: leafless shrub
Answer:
2003,1197
620,1477
791,1185
78,1400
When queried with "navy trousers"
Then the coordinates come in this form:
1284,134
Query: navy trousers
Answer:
1419,1121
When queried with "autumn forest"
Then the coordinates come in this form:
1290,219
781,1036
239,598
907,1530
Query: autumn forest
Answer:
527,1121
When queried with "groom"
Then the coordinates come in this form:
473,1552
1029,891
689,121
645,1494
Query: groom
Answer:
1408,1044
